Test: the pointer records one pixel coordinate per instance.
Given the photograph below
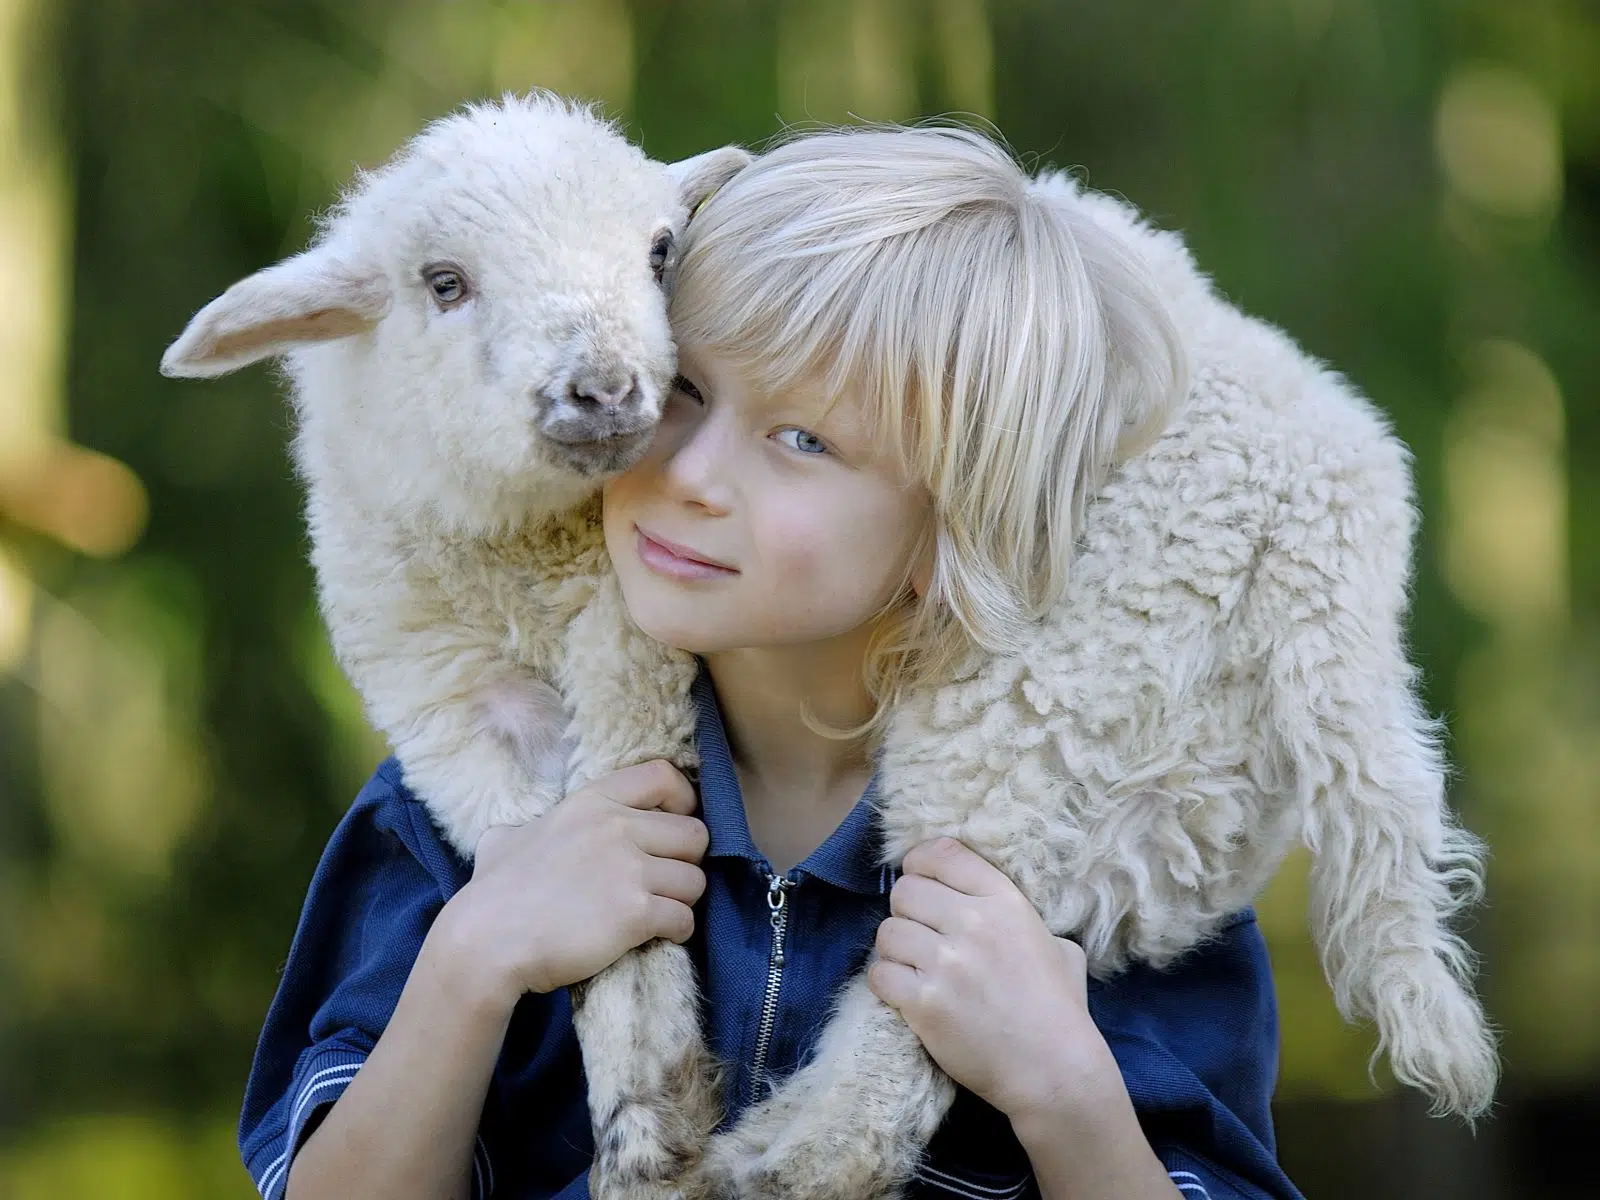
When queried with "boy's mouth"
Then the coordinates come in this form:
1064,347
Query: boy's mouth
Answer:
677,561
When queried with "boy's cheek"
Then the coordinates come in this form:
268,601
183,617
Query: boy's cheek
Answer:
839,557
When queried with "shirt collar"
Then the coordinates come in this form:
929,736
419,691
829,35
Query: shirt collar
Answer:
849,857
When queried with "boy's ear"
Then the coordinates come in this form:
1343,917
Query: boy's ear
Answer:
703,174
313,297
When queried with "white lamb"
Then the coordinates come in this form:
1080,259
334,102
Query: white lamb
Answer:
476,339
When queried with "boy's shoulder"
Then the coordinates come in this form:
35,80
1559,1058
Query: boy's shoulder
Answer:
388,818
1199,998
1201,1035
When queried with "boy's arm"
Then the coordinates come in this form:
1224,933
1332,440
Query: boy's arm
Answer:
380,887
1157,1086
375,1060
1091,1146
406,1125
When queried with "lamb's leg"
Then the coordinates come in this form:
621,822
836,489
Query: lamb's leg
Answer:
654,1094
629,694
849,1125
653,1089
482,754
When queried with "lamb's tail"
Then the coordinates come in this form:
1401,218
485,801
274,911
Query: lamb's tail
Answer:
1391,870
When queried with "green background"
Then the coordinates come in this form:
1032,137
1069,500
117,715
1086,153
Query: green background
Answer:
1410,187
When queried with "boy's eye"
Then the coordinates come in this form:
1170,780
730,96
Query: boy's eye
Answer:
799,439
680,384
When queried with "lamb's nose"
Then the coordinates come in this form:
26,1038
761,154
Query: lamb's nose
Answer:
608,389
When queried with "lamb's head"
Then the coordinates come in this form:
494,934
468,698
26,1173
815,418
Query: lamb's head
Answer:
485,314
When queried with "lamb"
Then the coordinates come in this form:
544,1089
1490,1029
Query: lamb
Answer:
476,339
1225,677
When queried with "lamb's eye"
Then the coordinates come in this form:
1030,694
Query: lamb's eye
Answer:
448,285
660,252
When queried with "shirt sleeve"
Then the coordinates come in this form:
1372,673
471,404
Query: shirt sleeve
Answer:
1197,1044
382,880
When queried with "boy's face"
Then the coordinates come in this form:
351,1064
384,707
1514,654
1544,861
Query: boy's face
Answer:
756,520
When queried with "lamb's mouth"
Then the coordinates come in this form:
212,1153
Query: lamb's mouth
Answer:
608,454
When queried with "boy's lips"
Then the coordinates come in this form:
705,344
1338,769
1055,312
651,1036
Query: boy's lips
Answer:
677,561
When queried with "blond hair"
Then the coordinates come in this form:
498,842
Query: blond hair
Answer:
1007,349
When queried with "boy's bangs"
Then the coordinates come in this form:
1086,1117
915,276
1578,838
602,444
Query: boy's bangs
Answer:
809,317
885,322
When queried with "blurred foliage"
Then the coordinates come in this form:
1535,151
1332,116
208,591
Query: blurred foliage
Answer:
1410,187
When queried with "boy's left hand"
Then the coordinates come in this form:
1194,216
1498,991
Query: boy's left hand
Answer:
998,1001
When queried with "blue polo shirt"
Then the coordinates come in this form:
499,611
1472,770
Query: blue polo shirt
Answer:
1197,1043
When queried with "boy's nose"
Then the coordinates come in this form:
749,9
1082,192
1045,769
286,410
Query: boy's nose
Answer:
698,468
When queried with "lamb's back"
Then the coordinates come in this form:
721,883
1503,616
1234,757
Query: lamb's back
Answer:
1123,771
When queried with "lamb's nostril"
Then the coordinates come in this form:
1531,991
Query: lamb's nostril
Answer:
607,391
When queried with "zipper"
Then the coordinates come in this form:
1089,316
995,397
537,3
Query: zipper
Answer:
778,917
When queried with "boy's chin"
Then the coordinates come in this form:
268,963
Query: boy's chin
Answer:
691,637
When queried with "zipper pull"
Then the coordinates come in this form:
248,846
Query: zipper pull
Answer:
777,913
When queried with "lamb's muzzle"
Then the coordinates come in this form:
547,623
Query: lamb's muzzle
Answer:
599,421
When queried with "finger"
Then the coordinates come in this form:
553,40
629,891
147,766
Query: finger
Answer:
896,984
649,785
931,903
908,942
670,919
956,865
675,880
668,835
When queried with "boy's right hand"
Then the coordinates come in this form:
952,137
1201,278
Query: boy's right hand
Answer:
561,898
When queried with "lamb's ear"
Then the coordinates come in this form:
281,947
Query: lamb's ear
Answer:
313,297
703,174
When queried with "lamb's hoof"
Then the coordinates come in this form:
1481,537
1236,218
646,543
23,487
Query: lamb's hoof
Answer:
650,1149
626,1167
657,1174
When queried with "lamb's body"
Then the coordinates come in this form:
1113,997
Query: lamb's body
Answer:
454,643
